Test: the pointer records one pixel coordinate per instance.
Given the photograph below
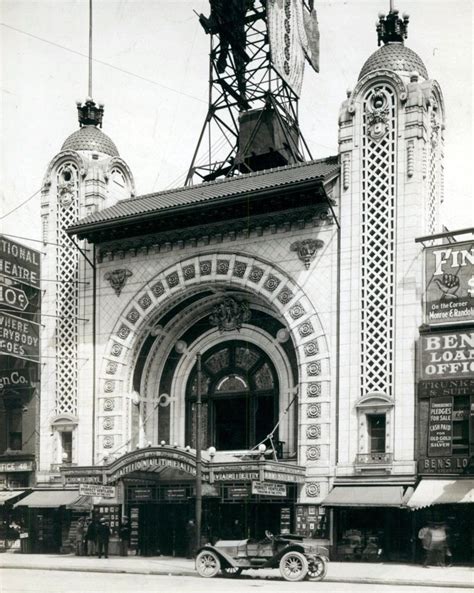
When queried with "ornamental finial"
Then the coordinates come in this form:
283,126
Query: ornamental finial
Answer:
90,113
392,28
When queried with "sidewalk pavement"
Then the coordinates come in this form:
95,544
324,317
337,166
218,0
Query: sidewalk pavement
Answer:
340,572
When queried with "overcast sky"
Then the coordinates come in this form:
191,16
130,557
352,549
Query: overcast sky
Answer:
151,72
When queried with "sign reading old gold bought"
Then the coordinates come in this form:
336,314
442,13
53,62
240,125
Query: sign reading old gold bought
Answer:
449,295
447,355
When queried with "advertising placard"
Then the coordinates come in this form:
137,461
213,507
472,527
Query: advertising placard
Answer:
15,378
268,489
449,276
19,337
447,356
19,263
97,490
440,427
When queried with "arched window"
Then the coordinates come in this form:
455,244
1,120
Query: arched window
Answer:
239,391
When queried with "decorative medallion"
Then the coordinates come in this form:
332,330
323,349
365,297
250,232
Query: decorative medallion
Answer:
271,283
297,311
111,368
239,269
313,431
66,189
230,314
109,405
313,369
306,250
285,295
314,411
222,266
313,389
256,274
311,348
305,329
123,332
205,267
108,423
158,289
116,350
313,489
144,301
118,279
377,115
109,386
313,453
133,315
172,279
189,272
108,442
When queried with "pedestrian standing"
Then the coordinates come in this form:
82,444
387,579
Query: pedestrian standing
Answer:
190,539
91,538
80,528
103,536
438,545
124,534
424,535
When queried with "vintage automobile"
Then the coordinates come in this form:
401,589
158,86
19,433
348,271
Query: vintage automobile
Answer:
296,557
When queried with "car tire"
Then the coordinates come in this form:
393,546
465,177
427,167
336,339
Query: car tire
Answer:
317,569
232,571
293,566
208,564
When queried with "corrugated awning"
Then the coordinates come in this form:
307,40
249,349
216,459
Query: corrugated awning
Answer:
82,503
429,492
9,495
44,499
365,496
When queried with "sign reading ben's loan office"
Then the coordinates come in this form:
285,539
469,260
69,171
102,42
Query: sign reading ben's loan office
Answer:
449,296
447,356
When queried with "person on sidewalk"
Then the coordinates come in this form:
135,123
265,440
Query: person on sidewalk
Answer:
124,534
190,539
91,537
103,536
80,534
437,551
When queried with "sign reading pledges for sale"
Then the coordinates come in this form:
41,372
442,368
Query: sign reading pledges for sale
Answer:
447,355
449,283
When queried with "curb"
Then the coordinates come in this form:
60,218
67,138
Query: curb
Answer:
187,573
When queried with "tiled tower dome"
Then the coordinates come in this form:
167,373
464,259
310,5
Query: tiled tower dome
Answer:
90,138
396,57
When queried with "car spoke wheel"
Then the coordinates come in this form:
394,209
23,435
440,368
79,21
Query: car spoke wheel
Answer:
293,566
317,569
231,571
207,564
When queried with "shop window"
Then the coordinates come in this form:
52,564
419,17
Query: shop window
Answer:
239,397
461,426
15,433
376,430
66,447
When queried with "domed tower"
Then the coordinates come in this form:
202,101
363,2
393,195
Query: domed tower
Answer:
85,176
391,153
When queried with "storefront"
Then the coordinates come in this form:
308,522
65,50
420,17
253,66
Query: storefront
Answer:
10,522
370,523
156,489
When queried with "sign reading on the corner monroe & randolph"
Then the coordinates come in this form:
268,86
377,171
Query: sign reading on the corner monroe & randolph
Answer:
447,355
449,295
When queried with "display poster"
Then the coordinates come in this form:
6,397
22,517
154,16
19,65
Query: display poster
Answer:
449,276
447,355
19,337
97,490
269,489
19,263
440,427
285,520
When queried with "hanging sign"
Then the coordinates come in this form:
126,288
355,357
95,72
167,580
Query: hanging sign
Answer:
269,489
447,355
449,293
97,490
440,427
15,378
20,263
19,338
12,297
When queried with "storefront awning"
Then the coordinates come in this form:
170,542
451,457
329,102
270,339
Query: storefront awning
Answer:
82,503
9,495
365,496
429,492
44,499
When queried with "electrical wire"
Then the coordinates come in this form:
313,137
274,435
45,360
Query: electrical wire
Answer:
20,205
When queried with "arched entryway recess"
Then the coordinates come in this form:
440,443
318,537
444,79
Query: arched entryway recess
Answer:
144,380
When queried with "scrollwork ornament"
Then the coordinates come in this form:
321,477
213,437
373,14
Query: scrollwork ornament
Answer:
377,113
118,279
230,314
109,405
306,250
313,490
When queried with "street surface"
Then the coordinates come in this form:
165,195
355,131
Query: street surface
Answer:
41,581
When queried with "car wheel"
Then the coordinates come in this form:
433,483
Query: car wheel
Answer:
317,569
231,571
208,564
293,566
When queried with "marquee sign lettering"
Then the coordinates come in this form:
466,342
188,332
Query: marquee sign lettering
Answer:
149,460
